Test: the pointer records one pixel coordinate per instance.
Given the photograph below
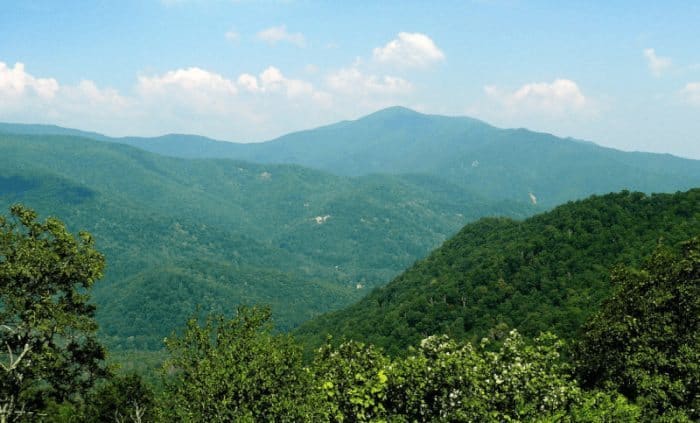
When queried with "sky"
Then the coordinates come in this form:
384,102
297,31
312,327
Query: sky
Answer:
624,74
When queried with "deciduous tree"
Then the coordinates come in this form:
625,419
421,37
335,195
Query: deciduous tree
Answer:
645,340
47,325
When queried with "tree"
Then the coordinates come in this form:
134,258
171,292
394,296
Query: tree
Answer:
235,370
449,381
47,326
123,399
352,381
645,340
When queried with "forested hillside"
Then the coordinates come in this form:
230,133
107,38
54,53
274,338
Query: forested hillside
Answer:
548,272
216,233
635,359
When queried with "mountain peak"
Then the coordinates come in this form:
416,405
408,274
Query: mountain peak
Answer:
392,112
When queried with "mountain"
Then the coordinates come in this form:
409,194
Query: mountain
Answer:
184,232
498,164
375,194
546,273
174,145
38,129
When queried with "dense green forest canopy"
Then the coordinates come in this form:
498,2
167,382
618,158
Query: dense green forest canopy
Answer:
217,233
548,272
636,359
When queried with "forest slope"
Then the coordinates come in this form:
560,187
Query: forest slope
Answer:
218,233
549,272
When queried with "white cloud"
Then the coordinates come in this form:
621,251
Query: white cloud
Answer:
26,98
560,107
657,65
353,81
409,50
691,92
193,89
248,82
232,36
244,107
271,80
16,82
191,79
88,91
278,34
557,98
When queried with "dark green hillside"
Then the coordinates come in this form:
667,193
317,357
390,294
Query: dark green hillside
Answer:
497,164
177,232
548,272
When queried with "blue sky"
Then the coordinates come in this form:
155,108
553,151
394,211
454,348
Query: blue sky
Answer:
624,74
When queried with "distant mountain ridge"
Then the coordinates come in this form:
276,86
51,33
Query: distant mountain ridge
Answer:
503,164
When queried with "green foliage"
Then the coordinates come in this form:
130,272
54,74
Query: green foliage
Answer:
547,273
219,233
448,381
601,407
444,380
122,398
352,381
229,232
146,364
47,326
645,340
235,370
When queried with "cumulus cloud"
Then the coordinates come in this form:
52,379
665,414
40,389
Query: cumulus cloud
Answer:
277,34
272,80
248,82
27,98
191,79
20,89
409,50
88,91
559,97
691,93
192,89
243,107
239,108
353,81
657,65
16,82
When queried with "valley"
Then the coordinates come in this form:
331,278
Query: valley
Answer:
398,241
183,231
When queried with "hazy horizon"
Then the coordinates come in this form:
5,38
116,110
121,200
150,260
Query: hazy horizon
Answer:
620,76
